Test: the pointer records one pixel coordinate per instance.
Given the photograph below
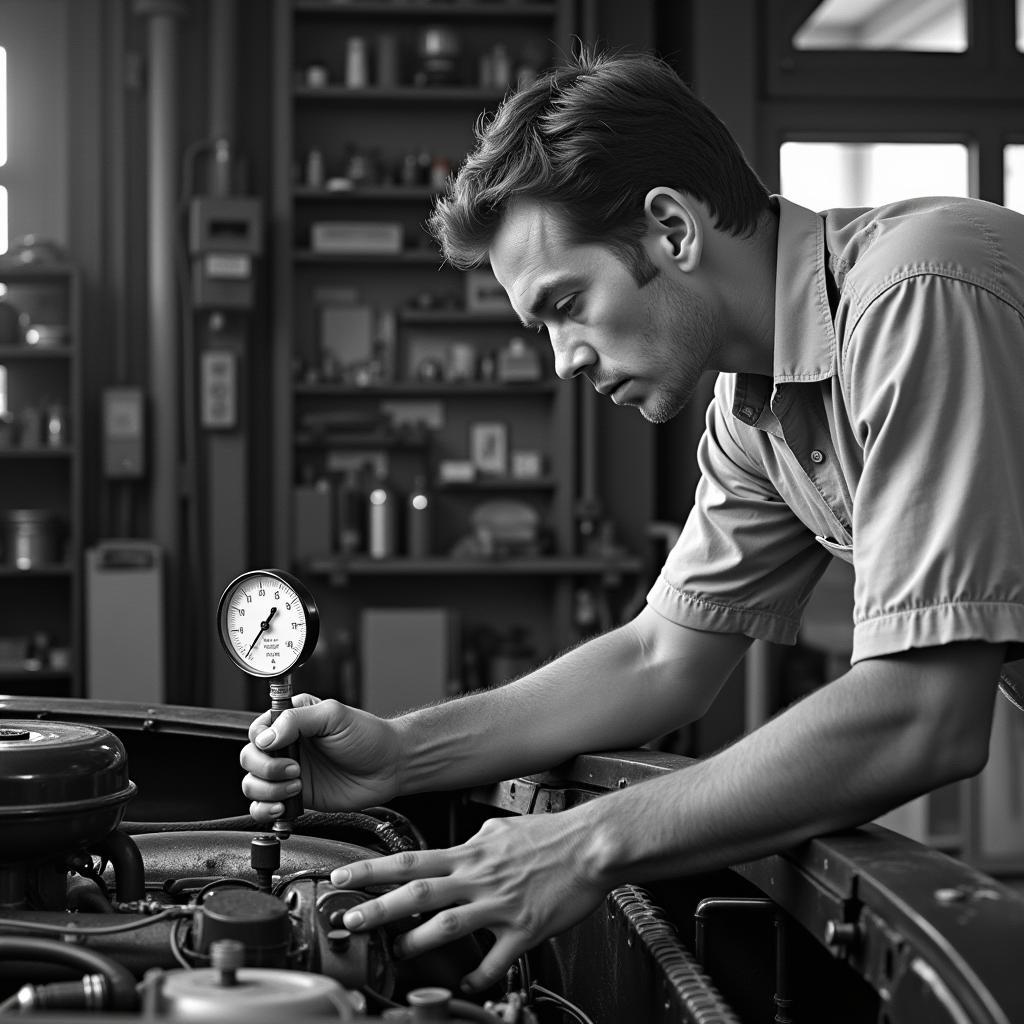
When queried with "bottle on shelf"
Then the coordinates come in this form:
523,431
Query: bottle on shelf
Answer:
382,518
350,513
419,513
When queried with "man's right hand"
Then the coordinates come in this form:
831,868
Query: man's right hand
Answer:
349,758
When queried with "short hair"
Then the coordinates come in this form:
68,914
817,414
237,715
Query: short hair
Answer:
592,137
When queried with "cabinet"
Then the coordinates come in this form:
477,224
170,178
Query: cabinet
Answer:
40,470
390,364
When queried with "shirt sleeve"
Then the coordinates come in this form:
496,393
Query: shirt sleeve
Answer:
743,563
932,378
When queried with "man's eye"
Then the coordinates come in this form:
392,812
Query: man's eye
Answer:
567,305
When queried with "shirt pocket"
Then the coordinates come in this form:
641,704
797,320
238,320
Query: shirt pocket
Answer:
843,551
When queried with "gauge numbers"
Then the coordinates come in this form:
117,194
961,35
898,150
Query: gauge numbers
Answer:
268,622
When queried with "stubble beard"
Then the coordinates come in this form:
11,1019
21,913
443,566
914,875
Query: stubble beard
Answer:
691,321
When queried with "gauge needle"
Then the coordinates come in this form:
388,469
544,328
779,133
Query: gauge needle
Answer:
264,625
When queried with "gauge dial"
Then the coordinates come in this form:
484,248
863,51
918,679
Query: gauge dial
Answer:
268,622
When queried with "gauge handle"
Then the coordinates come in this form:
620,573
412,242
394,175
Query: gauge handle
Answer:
281,700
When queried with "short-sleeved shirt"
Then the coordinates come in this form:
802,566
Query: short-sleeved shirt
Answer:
890,435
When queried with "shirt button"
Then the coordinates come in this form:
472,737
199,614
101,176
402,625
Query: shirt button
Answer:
817,456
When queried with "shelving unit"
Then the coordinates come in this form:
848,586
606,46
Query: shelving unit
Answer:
375,152
40,474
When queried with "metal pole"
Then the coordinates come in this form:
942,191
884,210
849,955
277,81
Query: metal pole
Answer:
164,328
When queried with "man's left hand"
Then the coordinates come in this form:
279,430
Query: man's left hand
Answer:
522,879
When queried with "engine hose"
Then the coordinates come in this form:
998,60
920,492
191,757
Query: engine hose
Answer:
129,871
121,993
321,823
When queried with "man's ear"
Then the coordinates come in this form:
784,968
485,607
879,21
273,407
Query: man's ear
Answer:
675,226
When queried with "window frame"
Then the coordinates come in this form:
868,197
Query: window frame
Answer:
972,98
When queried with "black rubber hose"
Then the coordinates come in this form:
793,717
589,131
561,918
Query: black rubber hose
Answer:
129,871
322,823
120,981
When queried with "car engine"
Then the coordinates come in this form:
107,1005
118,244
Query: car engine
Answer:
206,919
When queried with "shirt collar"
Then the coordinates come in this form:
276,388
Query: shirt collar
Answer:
805,339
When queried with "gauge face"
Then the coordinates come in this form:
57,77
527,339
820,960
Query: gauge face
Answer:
268,622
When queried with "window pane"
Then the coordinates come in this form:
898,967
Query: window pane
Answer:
3,220
3,106
1013,178
1020,24
933,25
820,175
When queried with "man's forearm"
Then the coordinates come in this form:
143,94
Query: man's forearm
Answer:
617,690
850,751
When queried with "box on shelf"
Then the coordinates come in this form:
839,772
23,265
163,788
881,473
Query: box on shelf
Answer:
361,237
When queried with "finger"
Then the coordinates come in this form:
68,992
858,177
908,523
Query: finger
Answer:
261,789
313,717
396,868
499,958
446,926
299,700
259,811
267,766
259,725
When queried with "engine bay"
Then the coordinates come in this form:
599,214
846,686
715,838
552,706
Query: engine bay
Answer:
201,919
134,886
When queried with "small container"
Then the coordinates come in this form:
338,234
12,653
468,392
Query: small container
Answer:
418,521
31,537
357,69
315,169
56,426
382,519
46,335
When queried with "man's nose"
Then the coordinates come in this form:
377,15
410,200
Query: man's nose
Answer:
572,357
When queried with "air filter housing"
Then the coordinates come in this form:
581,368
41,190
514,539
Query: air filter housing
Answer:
62,787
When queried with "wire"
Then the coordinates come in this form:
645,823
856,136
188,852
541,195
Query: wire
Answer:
545,995
177,950
9,1004
110,929
316,875
217,882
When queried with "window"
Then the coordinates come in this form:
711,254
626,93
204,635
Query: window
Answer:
3,148
1013,177
820,175
926,25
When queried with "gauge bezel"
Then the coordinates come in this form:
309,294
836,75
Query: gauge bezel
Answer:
309,610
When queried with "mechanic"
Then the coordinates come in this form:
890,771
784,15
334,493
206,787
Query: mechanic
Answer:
868,407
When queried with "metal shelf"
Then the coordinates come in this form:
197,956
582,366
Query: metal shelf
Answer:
426,389
407,9
442,566
8,352
428,95
422,256
377,193
65,452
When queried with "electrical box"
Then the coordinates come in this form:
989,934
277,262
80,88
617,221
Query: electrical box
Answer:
225,235
124,434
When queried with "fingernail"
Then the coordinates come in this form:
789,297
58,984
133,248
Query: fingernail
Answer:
466,987
353,919
292,771
340,876
276,810
293,787
265,738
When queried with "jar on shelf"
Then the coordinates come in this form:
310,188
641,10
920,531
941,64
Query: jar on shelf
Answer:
31,537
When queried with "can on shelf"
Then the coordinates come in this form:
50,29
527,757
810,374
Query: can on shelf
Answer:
32,537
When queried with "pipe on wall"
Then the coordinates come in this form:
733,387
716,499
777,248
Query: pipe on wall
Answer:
163,311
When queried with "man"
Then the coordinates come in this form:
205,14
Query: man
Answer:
868,407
